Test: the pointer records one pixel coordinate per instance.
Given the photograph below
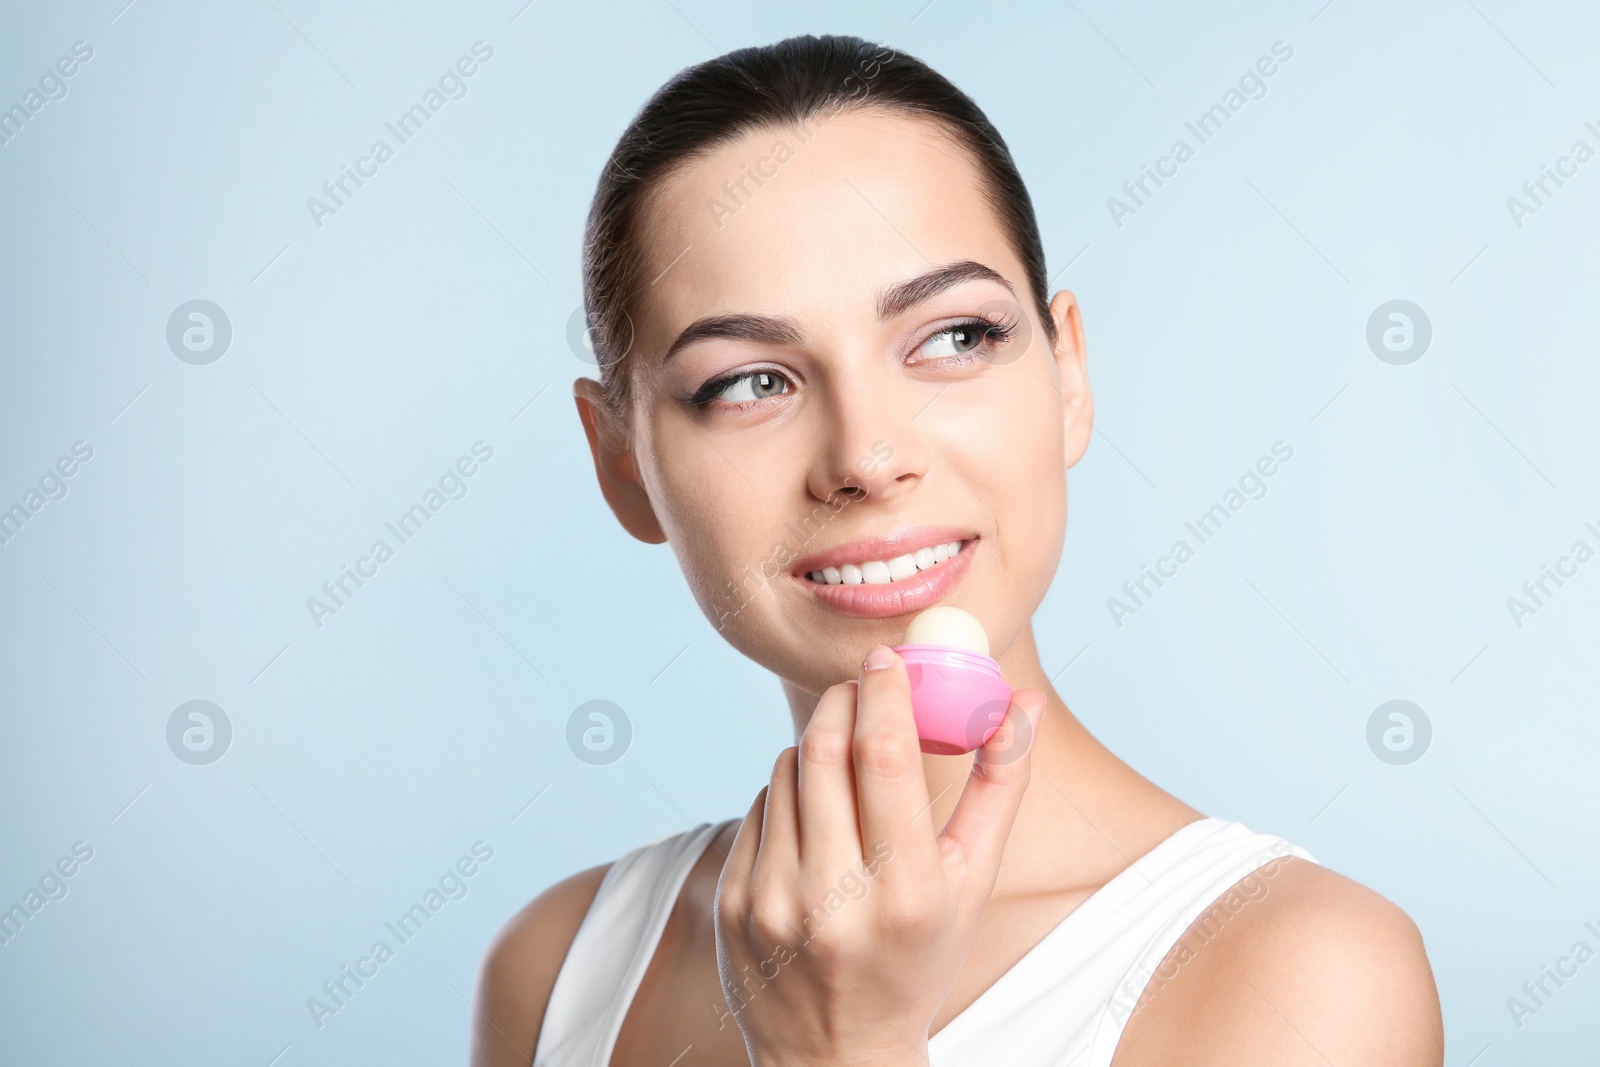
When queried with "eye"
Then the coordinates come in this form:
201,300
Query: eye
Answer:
957,340
737,389
967,341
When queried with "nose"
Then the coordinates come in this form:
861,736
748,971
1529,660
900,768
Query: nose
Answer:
869,445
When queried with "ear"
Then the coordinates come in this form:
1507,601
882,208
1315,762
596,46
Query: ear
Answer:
615,465
1070,360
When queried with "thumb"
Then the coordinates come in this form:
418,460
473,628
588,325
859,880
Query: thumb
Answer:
988,806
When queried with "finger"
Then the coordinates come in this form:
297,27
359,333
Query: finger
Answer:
830,835
988,806
891,791
779,854
734,884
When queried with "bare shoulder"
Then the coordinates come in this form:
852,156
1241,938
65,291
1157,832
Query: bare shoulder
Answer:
519,969
1295,964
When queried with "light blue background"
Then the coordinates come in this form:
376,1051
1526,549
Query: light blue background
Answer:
368,354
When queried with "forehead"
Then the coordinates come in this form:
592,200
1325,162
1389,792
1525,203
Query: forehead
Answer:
812,221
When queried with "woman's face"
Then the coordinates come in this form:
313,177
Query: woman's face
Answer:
823,401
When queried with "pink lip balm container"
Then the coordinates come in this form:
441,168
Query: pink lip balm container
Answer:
957,695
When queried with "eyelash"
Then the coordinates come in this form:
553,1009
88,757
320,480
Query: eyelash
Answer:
996,332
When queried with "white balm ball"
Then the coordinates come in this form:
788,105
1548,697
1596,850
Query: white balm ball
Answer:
945,625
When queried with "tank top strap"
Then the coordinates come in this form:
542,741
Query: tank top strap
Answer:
1225,868
1069,998
613,947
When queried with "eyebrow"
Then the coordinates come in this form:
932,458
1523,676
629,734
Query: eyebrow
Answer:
780,330
905,295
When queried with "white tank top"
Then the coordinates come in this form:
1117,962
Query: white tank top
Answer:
1065,1001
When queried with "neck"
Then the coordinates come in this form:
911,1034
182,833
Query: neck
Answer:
1086,814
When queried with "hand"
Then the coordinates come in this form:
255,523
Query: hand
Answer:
843,915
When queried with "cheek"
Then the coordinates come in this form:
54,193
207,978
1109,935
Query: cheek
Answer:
1027,470
1022,430
715,519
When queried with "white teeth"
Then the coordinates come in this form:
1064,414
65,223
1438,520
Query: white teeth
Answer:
902,567
875,572
881,572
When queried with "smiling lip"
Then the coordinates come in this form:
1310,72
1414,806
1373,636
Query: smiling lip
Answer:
886,600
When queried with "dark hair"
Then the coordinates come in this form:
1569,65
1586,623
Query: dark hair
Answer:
715,102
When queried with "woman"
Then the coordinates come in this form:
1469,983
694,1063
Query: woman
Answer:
825,345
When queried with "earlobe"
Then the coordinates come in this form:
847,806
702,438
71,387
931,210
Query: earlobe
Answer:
615,465
1071,368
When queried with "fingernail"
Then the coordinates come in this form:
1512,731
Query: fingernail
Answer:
880,657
